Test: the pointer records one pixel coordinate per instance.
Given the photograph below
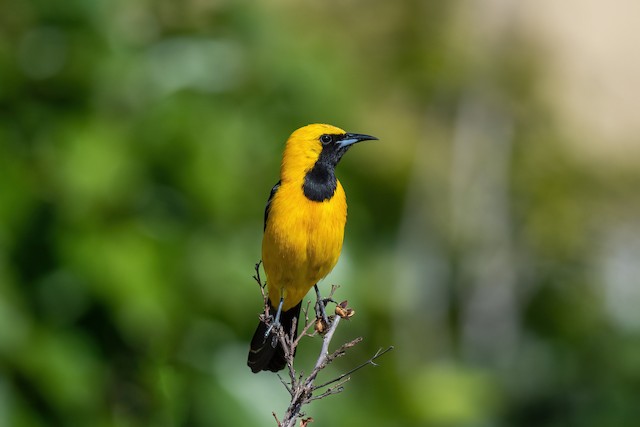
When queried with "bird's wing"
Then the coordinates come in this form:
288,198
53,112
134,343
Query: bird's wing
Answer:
268,207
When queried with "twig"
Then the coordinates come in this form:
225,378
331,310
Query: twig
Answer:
357,368
299,387
324,352
262,286
301,390
331,390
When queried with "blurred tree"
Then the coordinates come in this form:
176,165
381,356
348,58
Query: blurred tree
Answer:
138,144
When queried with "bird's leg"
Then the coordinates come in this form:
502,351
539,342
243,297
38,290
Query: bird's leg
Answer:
321,305
276,321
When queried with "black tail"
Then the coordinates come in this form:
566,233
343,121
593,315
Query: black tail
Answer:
266,354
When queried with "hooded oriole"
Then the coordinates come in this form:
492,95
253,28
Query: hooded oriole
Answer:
303,230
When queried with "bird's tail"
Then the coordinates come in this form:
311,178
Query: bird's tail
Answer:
267,354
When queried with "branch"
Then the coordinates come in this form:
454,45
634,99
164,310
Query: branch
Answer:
301,388
379,353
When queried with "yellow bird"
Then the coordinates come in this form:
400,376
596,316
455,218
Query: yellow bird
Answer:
303,230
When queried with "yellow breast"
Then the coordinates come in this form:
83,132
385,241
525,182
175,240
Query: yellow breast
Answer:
302,241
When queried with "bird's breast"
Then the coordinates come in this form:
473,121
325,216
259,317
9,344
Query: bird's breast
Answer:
302,240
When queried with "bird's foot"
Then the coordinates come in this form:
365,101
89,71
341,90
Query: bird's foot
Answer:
274,324
276,321
321,304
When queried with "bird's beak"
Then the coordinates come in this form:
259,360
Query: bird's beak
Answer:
352,138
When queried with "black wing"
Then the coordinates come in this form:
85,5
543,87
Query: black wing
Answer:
266,209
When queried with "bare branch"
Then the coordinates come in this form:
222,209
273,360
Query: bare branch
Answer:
331,390
277,420
265,297
324,352
357,368
301,387
284,383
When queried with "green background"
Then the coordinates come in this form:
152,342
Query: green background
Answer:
138,144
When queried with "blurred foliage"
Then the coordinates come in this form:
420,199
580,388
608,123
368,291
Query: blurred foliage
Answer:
139,141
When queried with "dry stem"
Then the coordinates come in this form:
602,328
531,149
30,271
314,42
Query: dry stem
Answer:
301,388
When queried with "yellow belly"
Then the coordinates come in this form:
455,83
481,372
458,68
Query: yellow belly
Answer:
301,243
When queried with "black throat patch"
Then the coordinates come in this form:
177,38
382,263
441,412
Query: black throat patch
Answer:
320,182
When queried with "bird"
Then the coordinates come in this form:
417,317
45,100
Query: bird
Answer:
304,223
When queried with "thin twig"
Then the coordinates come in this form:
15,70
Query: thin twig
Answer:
262,286
299,387
324,352
357,368
338,388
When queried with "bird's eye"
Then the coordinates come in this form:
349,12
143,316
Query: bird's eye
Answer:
325,139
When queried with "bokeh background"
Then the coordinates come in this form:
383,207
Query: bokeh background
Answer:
493,234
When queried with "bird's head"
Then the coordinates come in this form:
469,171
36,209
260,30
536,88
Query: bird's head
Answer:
317,145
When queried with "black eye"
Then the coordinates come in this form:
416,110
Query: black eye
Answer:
325,139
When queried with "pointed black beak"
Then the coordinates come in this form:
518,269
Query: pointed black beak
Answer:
352,138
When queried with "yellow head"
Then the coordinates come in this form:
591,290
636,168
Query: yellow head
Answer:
311,155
